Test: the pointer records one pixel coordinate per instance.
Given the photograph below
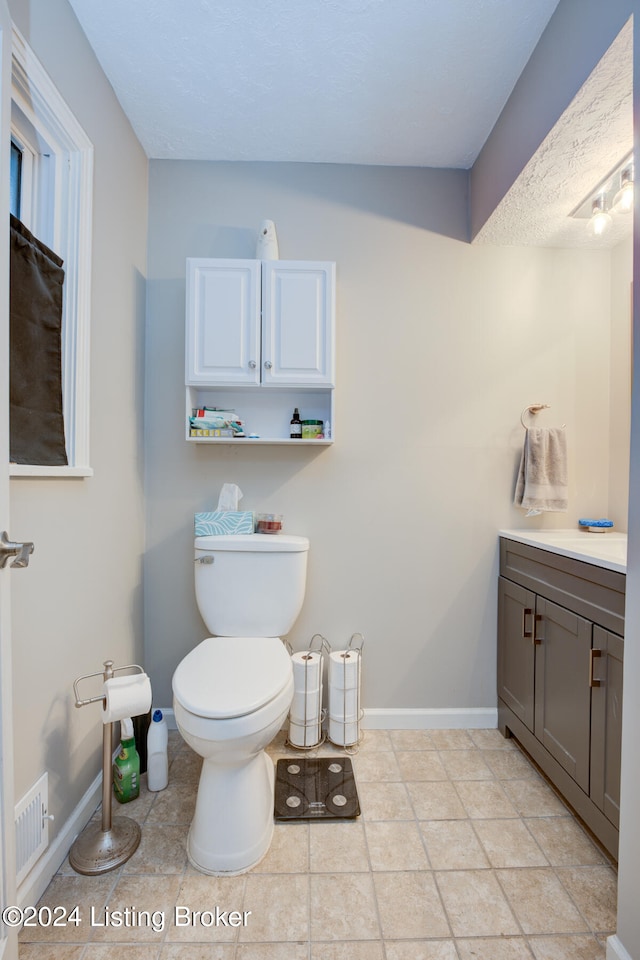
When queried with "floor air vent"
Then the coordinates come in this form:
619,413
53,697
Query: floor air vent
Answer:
32,827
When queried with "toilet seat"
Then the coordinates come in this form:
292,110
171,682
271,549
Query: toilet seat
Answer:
227,677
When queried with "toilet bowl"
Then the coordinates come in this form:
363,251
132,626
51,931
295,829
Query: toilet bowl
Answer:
232,693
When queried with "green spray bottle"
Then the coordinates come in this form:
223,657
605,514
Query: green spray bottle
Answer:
126,766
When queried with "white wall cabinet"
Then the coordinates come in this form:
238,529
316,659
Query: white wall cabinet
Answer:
298,308
223,322
259,328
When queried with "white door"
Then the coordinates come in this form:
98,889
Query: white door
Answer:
223,322
298,321
8,937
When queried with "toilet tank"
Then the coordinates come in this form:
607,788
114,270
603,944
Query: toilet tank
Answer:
250,585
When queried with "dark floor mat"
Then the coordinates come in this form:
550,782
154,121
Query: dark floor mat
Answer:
312,789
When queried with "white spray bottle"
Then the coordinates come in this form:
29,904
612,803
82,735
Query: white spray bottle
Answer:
157,759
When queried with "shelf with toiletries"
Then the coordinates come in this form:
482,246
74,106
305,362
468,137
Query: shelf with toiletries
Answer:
260,341
265,415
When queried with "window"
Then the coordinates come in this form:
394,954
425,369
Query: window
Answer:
53,162
16,178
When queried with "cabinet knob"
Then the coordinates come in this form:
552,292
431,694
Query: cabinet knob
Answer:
252,364
268,364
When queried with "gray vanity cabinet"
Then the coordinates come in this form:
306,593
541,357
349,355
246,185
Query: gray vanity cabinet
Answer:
606,725
562,692
516,652
560,653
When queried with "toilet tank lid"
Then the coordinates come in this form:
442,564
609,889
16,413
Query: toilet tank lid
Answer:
254,543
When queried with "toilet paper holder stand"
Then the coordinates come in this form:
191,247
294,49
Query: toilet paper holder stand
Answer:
309,724
105,845
354,648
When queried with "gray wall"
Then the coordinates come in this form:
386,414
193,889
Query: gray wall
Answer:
80,600
440,345
629,867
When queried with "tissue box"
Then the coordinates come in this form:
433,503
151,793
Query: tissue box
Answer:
220,522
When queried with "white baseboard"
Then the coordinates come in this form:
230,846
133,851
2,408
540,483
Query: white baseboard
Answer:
448,718
615,950
43,871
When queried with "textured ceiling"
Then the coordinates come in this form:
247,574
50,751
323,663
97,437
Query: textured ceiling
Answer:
590,139
410,82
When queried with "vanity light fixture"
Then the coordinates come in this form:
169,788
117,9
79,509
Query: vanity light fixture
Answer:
600,220
623,200
612,196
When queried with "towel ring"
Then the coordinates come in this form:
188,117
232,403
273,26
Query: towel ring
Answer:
533,408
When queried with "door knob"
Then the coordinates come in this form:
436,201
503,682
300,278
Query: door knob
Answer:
21,551
268,364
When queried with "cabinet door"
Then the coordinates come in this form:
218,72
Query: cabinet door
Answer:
563,695
298,319
606,722
516,651
223,322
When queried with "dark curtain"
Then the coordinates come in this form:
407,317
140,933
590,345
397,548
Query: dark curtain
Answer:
35,382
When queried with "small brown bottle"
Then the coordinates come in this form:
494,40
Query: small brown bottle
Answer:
296,426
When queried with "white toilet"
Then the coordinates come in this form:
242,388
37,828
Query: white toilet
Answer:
232,693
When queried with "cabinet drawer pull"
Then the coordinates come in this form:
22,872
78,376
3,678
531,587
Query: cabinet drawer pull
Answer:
537,620
526,612
593,655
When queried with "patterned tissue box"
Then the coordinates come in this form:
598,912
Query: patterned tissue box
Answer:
220,522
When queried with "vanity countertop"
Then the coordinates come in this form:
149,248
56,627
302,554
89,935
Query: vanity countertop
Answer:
602,549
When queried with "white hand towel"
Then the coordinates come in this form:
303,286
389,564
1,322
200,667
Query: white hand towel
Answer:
542,478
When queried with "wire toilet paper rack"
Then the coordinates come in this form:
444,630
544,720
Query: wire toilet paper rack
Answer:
313,718
345,723
105,845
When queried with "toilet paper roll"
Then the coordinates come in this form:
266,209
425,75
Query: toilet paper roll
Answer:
343,734
344,669
307,670
126,697
343,704
306,705
305,716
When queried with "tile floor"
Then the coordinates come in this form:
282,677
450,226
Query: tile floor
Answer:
462,852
